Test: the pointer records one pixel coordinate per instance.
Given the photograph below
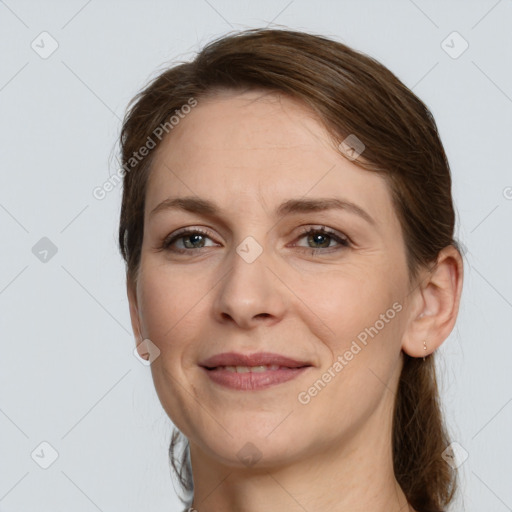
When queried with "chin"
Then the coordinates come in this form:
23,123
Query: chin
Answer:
255,446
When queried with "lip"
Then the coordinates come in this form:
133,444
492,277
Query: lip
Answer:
258,359
251,381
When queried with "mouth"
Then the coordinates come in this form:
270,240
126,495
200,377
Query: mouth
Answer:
252,372
267,360
254,369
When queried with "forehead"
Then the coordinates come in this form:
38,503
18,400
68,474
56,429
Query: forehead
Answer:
229,125
267,147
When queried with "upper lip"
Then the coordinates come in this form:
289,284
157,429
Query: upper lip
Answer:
258,359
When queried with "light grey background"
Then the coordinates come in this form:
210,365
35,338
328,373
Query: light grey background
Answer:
67,372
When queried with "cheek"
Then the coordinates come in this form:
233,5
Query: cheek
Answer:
359,371
164,306
175,310
170,310
350,304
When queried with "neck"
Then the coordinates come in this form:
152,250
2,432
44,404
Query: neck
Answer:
356,475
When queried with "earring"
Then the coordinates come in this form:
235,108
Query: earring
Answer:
424,347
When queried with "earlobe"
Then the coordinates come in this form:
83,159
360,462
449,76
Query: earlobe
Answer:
437,299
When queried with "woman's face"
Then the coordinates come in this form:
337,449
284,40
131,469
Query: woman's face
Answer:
251,283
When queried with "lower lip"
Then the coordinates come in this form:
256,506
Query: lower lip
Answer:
249,381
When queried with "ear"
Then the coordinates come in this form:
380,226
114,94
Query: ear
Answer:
434,305
131,292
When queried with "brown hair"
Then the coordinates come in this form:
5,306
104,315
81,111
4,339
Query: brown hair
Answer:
352,94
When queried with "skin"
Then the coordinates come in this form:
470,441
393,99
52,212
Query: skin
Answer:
248,152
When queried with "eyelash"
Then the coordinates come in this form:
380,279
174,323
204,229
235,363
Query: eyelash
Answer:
342,240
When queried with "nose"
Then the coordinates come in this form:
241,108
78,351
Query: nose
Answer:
250,293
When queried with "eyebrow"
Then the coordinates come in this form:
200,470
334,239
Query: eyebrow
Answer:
203,206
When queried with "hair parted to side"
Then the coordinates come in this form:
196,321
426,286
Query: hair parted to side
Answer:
352,94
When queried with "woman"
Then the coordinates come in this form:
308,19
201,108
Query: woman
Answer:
287,227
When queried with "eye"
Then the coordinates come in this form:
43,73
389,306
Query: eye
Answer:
322,236
195,239
190,238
